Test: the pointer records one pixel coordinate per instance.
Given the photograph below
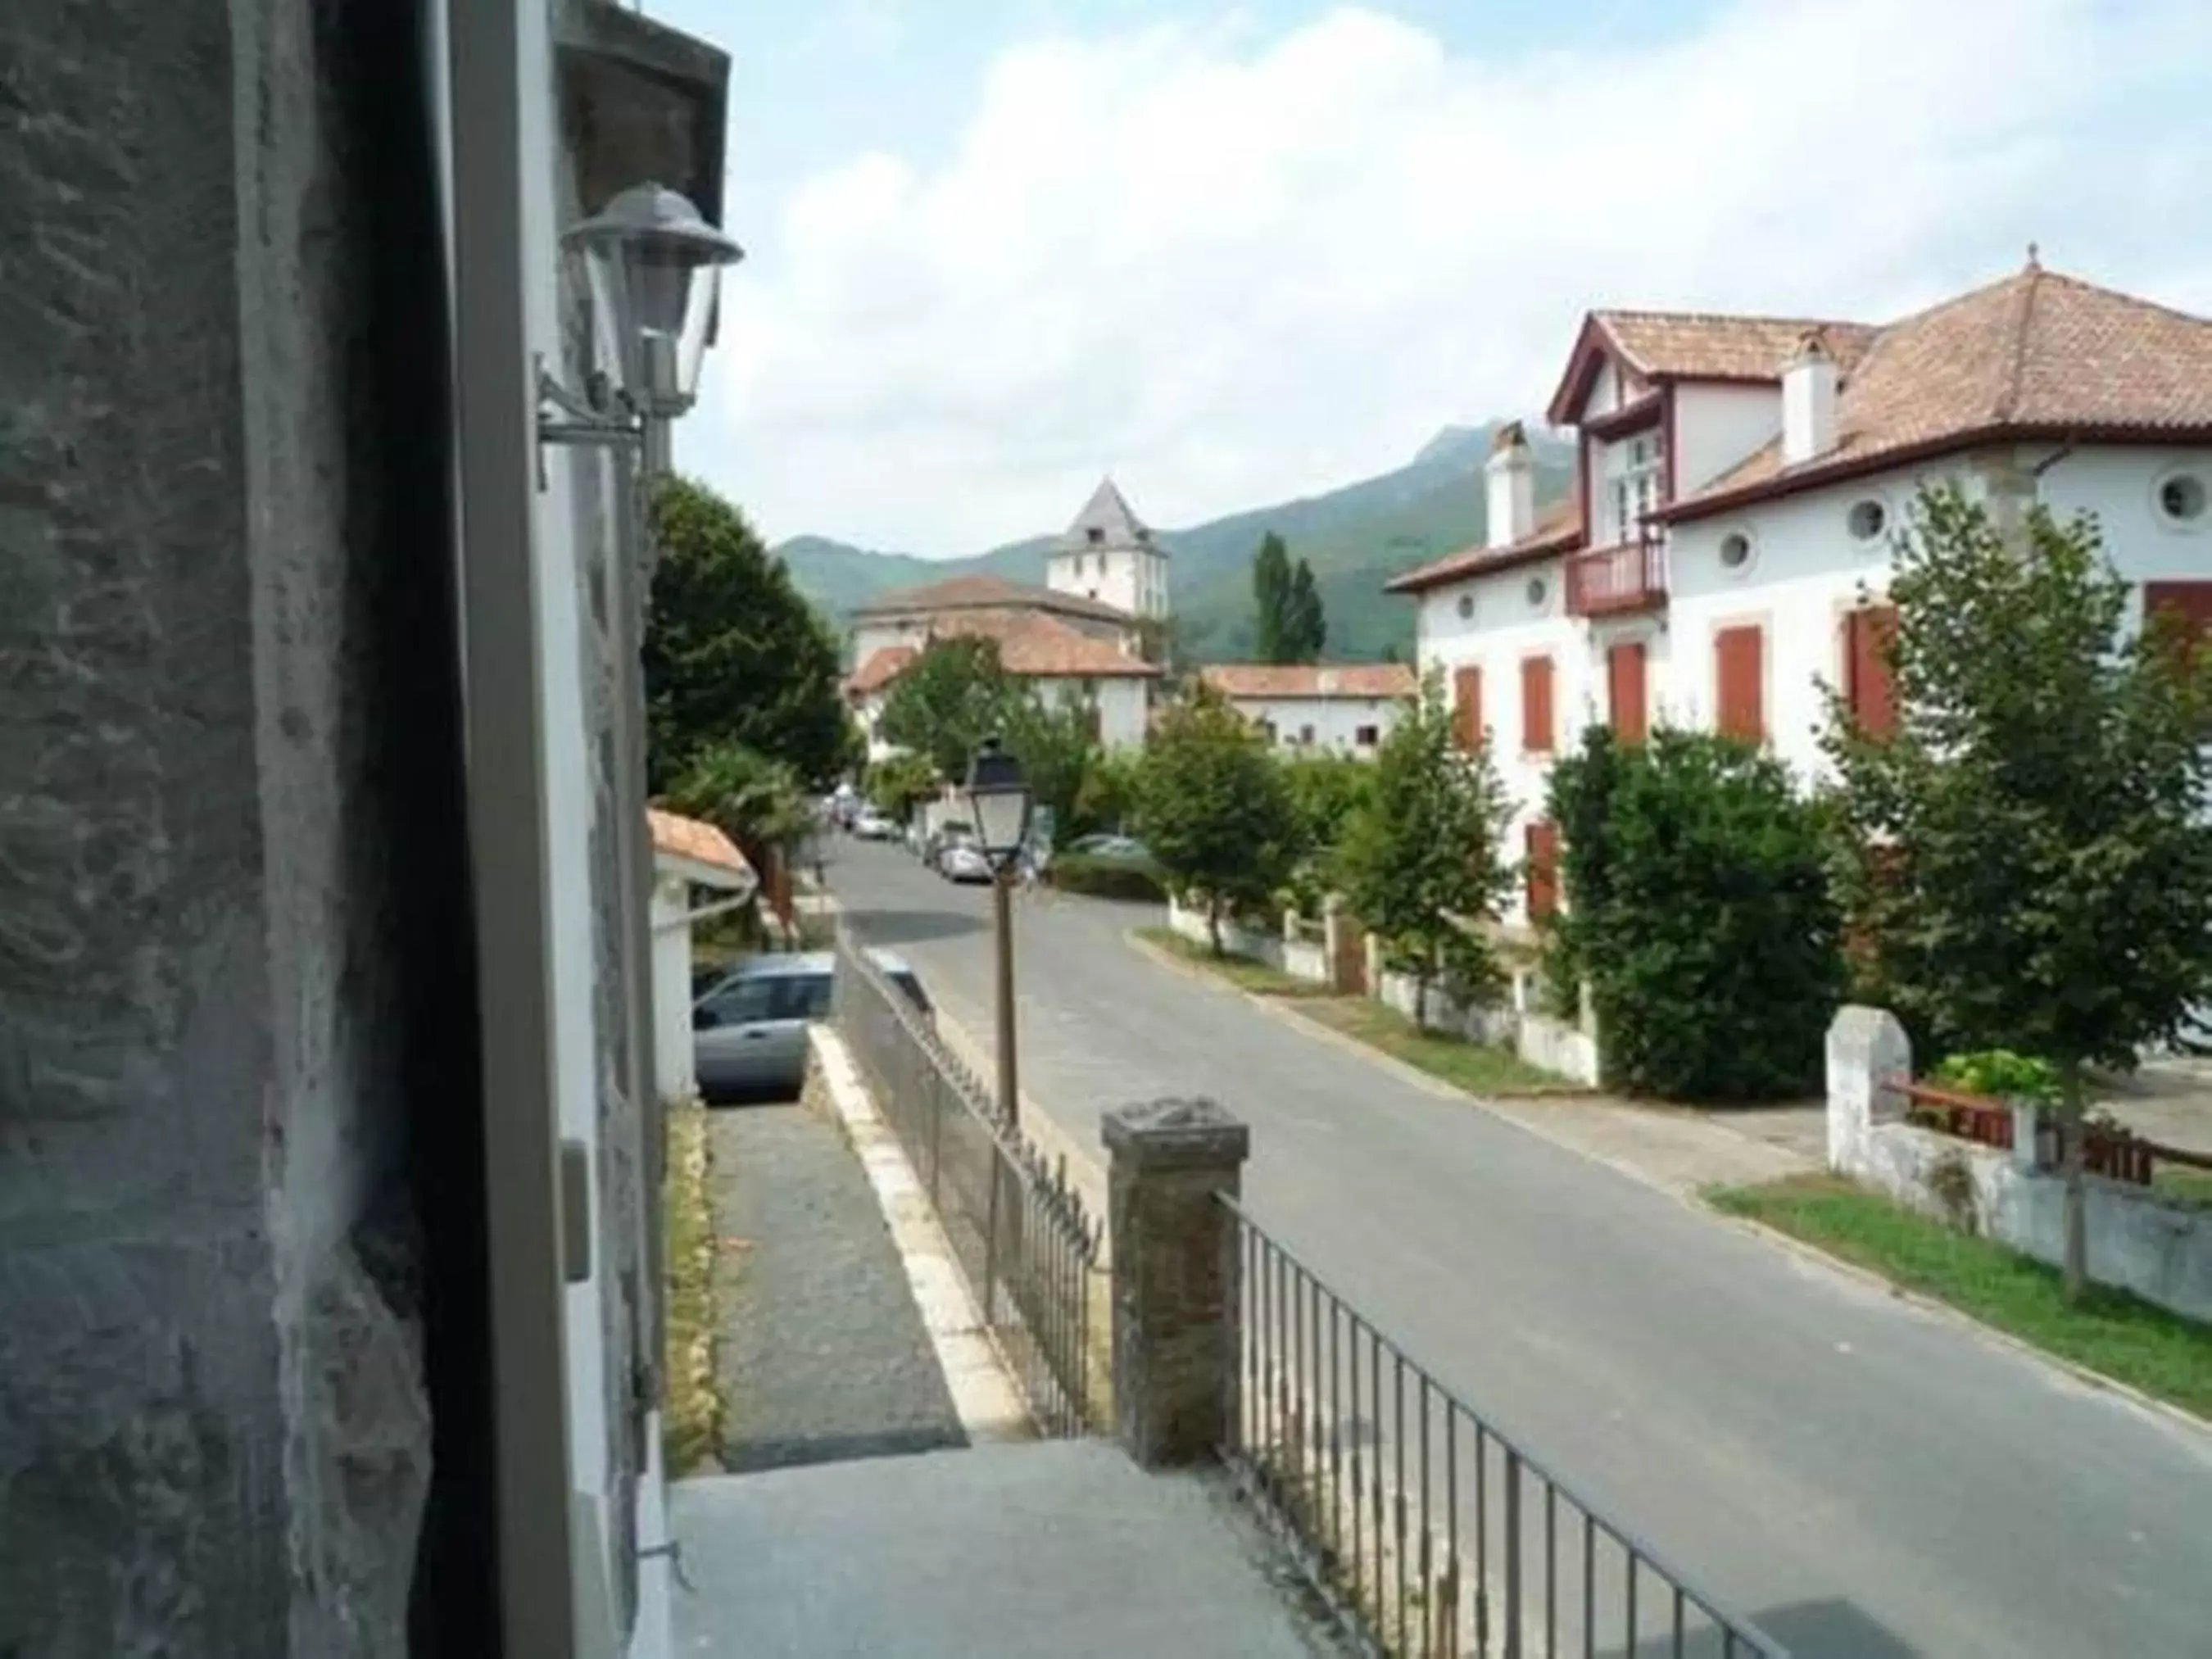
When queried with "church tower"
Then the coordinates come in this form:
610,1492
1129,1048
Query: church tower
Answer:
1107,554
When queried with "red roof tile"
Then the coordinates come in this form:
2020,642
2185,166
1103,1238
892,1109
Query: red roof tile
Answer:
2036,354
1032,645
702,843
1291,680
980,592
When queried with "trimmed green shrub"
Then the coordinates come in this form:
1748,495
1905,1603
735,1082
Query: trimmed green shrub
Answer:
2002,1075
1113,878
1698,911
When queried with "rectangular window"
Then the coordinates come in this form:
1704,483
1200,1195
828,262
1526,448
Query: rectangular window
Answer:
1367,736
1536,725
1467,707
1866,634
1740,682
1627,702
1633,468
1540,844
1306,734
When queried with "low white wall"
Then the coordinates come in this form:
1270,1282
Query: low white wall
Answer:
1555,1045
2162,1251
1235,938
1306,961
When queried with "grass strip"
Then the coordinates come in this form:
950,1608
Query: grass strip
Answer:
691,1426
1479,1068
2112,1332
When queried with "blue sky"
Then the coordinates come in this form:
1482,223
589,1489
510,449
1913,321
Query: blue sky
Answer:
1236,253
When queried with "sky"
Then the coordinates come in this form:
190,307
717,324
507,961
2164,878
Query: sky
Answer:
1233,254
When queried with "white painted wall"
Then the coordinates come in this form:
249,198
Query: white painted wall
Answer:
873,635
672,1055
1335,721
1124,703
1134,580
1717,425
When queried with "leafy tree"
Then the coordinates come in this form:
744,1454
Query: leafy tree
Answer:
1697,909
1327,793
1306,628
2026,857
948,700
1213,805
732,655
898,783
1271,599
1107,798
1057,746
759,803
1421,861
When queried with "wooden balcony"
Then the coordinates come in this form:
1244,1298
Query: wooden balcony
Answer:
1606,582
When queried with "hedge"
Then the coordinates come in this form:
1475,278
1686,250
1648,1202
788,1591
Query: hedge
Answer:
1113,878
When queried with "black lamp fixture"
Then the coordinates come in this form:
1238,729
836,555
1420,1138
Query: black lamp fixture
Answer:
998,797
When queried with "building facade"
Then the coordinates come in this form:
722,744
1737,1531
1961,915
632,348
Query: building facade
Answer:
1110,555
1346,708
1740,482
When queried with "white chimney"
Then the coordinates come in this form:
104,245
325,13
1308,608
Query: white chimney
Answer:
1511,472
1808,402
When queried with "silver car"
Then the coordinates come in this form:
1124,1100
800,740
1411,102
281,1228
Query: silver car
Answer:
749,1026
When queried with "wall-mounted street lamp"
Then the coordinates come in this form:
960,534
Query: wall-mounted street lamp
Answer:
998,799
654,265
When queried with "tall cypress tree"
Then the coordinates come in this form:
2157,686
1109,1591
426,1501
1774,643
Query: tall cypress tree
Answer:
1271,599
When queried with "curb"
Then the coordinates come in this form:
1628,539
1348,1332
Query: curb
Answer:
2176,1416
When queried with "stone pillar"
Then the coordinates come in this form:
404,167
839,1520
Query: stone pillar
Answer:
1175,1288
1870,1061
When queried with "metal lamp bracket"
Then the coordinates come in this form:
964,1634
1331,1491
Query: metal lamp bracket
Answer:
599,416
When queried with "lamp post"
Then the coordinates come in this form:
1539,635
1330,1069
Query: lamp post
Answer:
999,798
655,268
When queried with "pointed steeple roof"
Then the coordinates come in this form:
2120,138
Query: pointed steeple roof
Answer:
1114,523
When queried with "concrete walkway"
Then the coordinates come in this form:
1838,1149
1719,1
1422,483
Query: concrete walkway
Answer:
822,1352
1061,1548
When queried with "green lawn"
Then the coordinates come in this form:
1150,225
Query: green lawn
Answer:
1242,972
2113,1333
2176,1181
1481,1068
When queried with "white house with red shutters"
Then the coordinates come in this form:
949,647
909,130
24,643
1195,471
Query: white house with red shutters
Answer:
1739,480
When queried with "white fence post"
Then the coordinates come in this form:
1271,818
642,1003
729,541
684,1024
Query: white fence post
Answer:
1870,1063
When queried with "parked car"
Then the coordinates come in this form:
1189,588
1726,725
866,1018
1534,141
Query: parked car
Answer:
869,824
1112,849
748,1029
953,832
963,861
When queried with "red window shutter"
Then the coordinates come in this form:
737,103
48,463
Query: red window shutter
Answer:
1867,635
1627,704
1467,707
1536,705
2190,601
1540,842
1739,668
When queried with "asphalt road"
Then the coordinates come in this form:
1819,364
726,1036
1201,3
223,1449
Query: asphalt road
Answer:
1866,1480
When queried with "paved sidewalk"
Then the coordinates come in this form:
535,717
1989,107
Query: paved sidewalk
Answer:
822,1352
1061,1547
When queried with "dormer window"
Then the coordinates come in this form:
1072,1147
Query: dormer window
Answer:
1094,535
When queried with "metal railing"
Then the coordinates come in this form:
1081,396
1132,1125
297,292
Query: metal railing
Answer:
1017,1229
1431,1533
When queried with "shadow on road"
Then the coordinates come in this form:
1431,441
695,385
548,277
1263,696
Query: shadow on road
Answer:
911,927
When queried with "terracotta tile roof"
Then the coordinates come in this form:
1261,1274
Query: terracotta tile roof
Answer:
702,843
1559,530
979,592
1699,345
1287,680
2037,353
881,668
1030,645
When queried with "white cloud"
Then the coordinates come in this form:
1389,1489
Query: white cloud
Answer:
1231,268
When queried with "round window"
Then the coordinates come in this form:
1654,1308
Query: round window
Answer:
1735,550
1867,520
1535,590
2182,497
1466,606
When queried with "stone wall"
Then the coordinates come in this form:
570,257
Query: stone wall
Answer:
2158,1248
1555,1045
230,985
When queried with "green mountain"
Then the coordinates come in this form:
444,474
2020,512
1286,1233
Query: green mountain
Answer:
1355,538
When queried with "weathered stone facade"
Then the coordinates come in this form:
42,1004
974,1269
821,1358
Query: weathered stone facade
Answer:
230,983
